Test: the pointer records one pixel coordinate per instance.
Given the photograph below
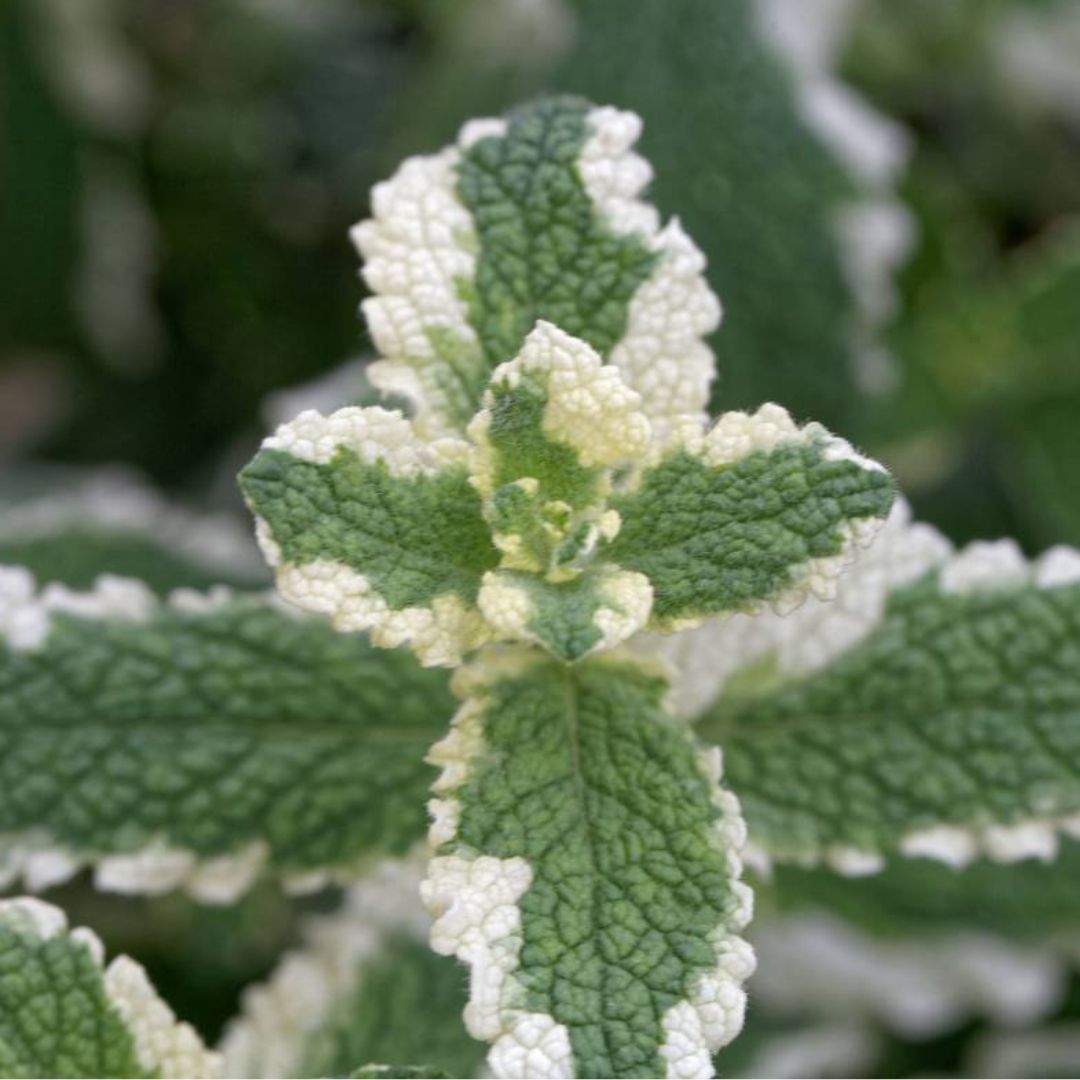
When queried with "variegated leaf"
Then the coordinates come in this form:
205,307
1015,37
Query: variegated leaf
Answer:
586,869
193,742
934,709
535,217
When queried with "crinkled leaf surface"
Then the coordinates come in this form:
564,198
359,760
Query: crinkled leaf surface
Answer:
64,1014
545,251
757,510
960,710
533,217
586,870
209,731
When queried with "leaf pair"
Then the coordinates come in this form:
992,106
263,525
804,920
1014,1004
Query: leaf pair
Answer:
558,485
559,520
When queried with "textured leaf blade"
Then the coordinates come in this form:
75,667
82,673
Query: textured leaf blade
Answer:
952,727
755,510
586,869
64,1013
189,743
367,524
535,217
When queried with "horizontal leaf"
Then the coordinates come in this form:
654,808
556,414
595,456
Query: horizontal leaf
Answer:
586,869
754,510
536,217
363,987
949,726
63,1013
188,743
72,525
1030,901
367,524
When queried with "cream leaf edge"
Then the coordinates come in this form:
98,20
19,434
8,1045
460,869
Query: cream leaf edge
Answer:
733,436
421,242
818,964
439,633
116,500
874,232
701,662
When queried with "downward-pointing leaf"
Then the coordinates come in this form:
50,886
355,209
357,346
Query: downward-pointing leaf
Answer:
586,869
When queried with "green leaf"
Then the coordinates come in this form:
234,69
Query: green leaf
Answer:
189,743
369,525
945,726
586,869
64,1014
363,987
532,218
374,1071
755,510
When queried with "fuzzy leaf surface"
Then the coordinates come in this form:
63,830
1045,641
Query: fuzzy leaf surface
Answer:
586,869
960,712
206,732
756,510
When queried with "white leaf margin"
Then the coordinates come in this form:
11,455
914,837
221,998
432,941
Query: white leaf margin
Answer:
115,500
735,435
701,662
421,243
33,857
875,232
816,964
439,633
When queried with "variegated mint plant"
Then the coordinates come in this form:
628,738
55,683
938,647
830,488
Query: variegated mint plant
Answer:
558,491
660,623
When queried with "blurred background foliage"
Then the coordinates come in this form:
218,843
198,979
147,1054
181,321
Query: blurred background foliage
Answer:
177,178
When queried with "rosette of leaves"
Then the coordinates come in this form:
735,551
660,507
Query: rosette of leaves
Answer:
614,576
558,490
